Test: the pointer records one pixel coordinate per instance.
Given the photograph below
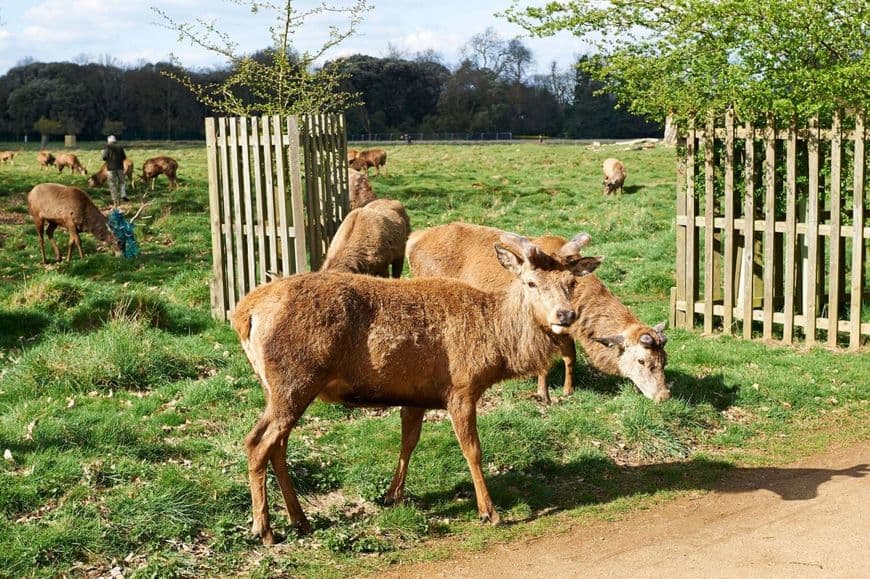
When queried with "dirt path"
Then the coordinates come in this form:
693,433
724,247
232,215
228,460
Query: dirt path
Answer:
810,519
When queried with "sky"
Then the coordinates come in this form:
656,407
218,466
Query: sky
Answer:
130,32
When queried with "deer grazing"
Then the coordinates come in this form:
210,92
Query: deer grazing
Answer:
418,344
56,206
615,341
371,240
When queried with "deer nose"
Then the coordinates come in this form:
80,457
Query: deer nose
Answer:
566,317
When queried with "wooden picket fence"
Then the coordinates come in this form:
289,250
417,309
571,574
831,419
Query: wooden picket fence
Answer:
771,228
277,193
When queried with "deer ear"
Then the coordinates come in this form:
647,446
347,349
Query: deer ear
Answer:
617,340
660,327
508,259
585,265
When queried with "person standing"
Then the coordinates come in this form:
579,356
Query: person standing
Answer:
114,156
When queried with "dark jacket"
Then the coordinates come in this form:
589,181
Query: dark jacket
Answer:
114,156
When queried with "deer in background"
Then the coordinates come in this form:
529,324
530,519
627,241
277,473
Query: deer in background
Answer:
615,341
418,344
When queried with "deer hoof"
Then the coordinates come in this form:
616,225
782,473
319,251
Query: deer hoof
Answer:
491,517
303,527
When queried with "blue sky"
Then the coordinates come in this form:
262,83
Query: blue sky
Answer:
129,31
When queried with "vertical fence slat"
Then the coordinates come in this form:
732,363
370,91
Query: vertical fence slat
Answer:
812,237
238,217
834,243
856,289
296,196
709,210
691,237
790,234
314,208
281,192
259,171
748,231
341,163
769,218
218,305
272,229
251,260
680,316
728,298
228,213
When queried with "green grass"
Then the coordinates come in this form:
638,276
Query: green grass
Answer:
124,405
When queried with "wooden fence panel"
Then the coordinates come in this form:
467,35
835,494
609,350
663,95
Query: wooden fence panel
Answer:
262,211
807,268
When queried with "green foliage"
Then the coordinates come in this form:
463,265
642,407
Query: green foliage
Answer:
48,126
278,81
791,57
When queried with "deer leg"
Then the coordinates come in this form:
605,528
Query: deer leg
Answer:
267,442
288,489
50,232
412,422
543,391
74,239
463,414
569,357
39,226
397,266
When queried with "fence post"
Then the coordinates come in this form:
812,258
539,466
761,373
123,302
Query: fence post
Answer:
728,298
790,234
769,219
218,301
297,194
748,232
857,237
691,233
680,293
812,237
834,243
710,261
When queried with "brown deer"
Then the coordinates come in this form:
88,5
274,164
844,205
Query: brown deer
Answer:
616,342
7,156
68,207
419,344
99,178
157,166
359,188
371,240
45,160
376,158
614,176
64,160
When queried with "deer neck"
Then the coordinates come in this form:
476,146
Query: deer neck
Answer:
524,346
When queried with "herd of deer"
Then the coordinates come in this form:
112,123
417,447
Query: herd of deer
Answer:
482,306
53,205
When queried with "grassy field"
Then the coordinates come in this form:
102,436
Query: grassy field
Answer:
123,406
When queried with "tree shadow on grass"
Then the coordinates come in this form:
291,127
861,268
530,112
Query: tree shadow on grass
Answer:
20,326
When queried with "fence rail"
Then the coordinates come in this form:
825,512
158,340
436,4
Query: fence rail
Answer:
771,228
277,194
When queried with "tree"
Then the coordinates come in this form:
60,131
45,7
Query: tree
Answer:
285,82
47,127
687,57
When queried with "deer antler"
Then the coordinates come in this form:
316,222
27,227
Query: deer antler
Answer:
141,207
519,245
572,248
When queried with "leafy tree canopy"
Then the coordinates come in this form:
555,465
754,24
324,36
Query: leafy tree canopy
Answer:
687,57
279,80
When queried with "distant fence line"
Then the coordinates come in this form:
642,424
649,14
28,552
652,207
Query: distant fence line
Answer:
277,194
498,136
771,227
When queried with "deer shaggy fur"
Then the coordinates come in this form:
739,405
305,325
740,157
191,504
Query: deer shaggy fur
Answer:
418,344
371,240
45,159
359,188
55,205
376,158
614,176
99,178
616,342
160,166
64,160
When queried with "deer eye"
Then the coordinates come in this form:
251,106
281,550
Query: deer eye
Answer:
642,362
532,284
